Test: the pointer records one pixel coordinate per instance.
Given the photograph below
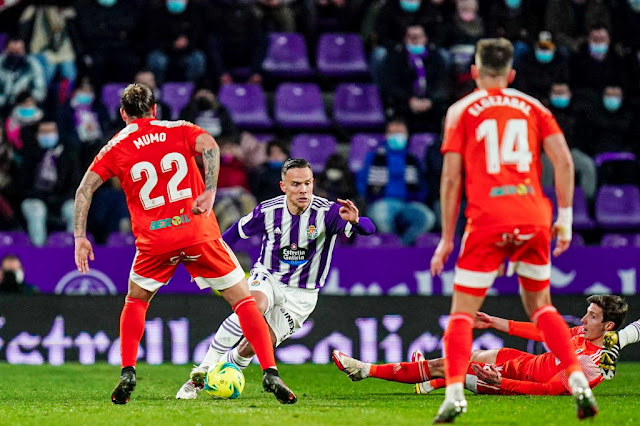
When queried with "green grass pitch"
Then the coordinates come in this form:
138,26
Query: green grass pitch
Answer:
75,394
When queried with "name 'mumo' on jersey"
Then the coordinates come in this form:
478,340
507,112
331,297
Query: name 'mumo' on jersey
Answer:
296,249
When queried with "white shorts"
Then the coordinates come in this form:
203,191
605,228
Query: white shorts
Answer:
288,308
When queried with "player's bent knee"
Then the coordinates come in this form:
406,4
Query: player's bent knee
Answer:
137,292
262,301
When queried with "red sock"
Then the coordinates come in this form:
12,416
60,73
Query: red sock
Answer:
457,347
131,329
438,383
255,329
403,372
557,336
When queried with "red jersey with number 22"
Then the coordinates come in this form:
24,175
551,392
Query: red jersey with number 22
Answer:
155,162
499,133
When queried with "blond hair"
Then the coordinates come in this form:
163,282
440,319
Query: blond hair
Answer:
494,57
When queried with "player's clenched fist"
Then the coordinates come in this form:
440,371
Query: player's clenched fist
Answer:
204,203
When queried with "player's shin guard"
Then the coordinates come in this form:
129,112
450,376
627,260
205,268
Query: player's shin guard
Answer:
131,329
457,347
556,336
403,372
256,331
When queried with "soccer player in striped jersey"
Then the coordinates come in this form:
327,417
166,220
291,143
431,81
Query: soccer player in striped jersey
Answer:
508,371
299,232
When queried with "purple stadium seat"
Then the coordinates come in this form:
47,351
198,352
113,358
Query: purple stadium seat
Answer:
14,239
577,240
341,55
263,137
120,239
63,239
419,142
246,104
110,96
618,207
287,56
581,219
378,240
177,96
358,106
616,240
361,145
614,156
429,240
314,148
300,105
3,40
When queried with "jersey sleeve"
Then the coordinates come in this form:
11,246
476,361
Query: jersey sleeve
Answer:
547,123
252,223
453,140
191,132
526,330
336,224
103,164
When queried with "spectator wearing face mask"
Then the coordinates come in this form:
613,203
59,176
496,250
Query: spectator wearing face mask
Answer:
540,68
174,30
415,82
567,115
19,73
12,277
392,183
24,114
147,77
516,20
265,180
49,174
206,111
596,62
569,21
336,180
84,123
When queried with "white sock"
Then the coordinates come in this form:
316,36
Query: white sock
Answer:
630,334
578,380
454,391
234,357
227,336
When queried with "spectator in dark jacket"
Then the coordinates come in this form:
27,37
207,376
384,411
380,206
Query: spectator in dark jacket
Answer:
148,78
569,21
415,82
392,182
19,73
265,180
174,30
12,277
336,180
205,111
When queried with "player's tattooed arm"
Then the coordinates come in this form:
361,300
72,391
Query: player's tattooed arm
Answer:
211,160
90,182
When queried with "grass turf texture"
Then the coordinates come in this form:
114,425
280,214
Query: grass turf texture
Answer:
76,394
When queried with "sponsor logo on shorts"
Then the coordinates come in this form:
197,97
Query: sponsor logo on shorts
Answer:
182,257
312,232
292,325
294,255
169,222
520,189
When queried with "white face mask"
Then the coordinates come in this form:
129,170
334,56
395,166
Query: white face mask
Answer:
19,276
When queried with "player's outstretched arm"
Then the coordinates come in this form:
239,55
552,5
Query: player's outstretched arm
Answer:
350,213
555,146
210,150
450,193
84,195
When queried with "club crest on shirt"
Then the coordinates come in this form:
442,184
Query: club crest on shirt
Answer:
312,232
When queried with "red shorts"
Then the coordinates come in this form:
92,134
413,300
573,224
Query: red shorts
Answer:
511,363
483,253
211,264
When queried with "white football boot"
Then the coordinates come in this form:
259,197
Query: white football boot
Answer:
355,369
194,385
582,395
454,404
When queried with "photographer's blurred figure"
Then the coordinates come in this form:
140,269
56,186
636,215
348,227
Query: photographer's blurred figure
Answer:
12,277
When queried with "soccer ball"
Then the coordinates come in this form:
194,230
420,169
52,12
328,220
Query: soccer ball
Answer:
224,380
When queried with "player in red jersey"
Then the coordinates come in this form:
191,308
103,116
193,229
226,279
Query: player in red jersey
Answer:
492,142
508,371
172,220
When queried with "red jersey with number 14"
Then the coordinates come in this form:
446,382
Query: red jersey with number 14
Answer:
499,133
155,162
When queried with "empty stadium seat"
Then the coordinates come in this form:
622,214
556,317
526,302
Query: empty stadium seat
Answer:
14,239
246,104
618,207
177,95
358,106
617,168
63,239
581,218
361,144
341,55
120,239
419,142
429,240
110,96
3,40
287,56
378,240
300,105
314,148
616,240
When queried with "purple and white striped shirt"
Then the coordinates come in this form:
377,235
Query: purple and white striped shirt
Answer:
296,249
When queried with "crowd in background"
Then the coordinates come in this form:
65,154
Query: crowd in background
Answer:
581,58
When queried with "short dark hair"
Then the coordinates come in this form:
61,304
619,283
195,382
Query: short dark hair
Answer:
277,143
494,56
614,308
397,120
294,163
137,100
